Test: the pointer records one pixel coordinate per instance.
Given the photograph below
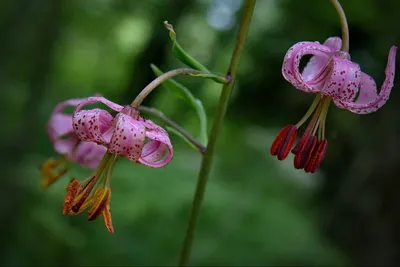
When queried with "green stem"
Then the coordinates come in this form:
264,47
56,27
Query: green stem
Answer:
343,22
158,114
165,76
219,117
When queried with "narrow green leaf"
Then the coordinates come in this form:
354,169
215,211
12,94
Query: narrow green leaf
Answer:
179,53
188,60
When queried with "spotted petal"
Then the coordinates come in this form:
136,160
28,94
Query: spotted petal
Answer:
344,80
94,125
317,63
369,101
128,137
158,151
316,75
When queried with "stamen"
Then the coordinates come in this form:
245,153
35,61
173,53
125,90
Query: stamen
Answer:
310,128
72,191
324,114
90,201
303,157
49,171
284,142
317,156
87,187
84,194
100,204
107,219
317,122
310,150
309,111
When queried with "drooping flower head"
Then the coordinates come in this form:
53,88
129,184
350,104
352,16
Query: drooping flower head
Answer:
332,76
127,135
67,144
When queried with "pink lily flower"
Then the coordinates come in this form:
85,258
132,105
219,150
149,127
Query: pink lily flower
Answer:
332,76
127,135
66,143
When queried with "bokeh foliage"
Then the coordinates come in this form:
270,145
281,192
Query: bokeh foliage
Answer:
258,211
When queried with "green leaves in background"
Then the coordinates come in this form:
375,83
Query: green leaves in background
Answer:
182,92
180,54
186,59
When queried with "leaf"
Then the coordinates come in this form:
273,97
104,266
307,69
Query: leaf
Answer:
182,92
179,53
188,60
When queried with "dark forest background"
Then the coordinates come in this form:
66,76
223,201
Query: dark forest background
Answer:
258,210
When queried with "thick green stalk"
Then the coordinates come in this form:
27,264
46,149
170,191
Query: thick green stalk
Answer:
219,117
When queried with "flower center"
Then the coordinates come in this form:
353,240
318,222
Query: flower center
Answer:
311,148
94,192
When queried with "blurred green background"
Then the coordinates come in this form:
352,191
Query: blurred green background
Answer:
258,210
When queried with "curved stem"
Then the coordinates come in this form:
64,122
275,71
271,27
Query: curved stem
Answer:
165,76
158,114
343,22
219,117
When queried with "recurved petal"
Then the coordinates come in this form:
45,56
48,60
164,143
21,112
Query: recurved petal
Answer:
96,99
88,154
368,90
93,125
315,77
344,80
128,137
158,151
317,63
66,146
70,102
334,43
369,101
59,125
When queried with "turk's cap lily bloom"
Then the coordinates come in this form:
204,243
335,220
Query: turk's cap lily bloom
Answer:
127,135
331,73
66,143
332,76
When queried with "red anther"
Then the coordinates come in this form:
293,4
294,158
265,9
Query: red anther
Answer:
300,144
317,156
284,142
302,158
278,140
